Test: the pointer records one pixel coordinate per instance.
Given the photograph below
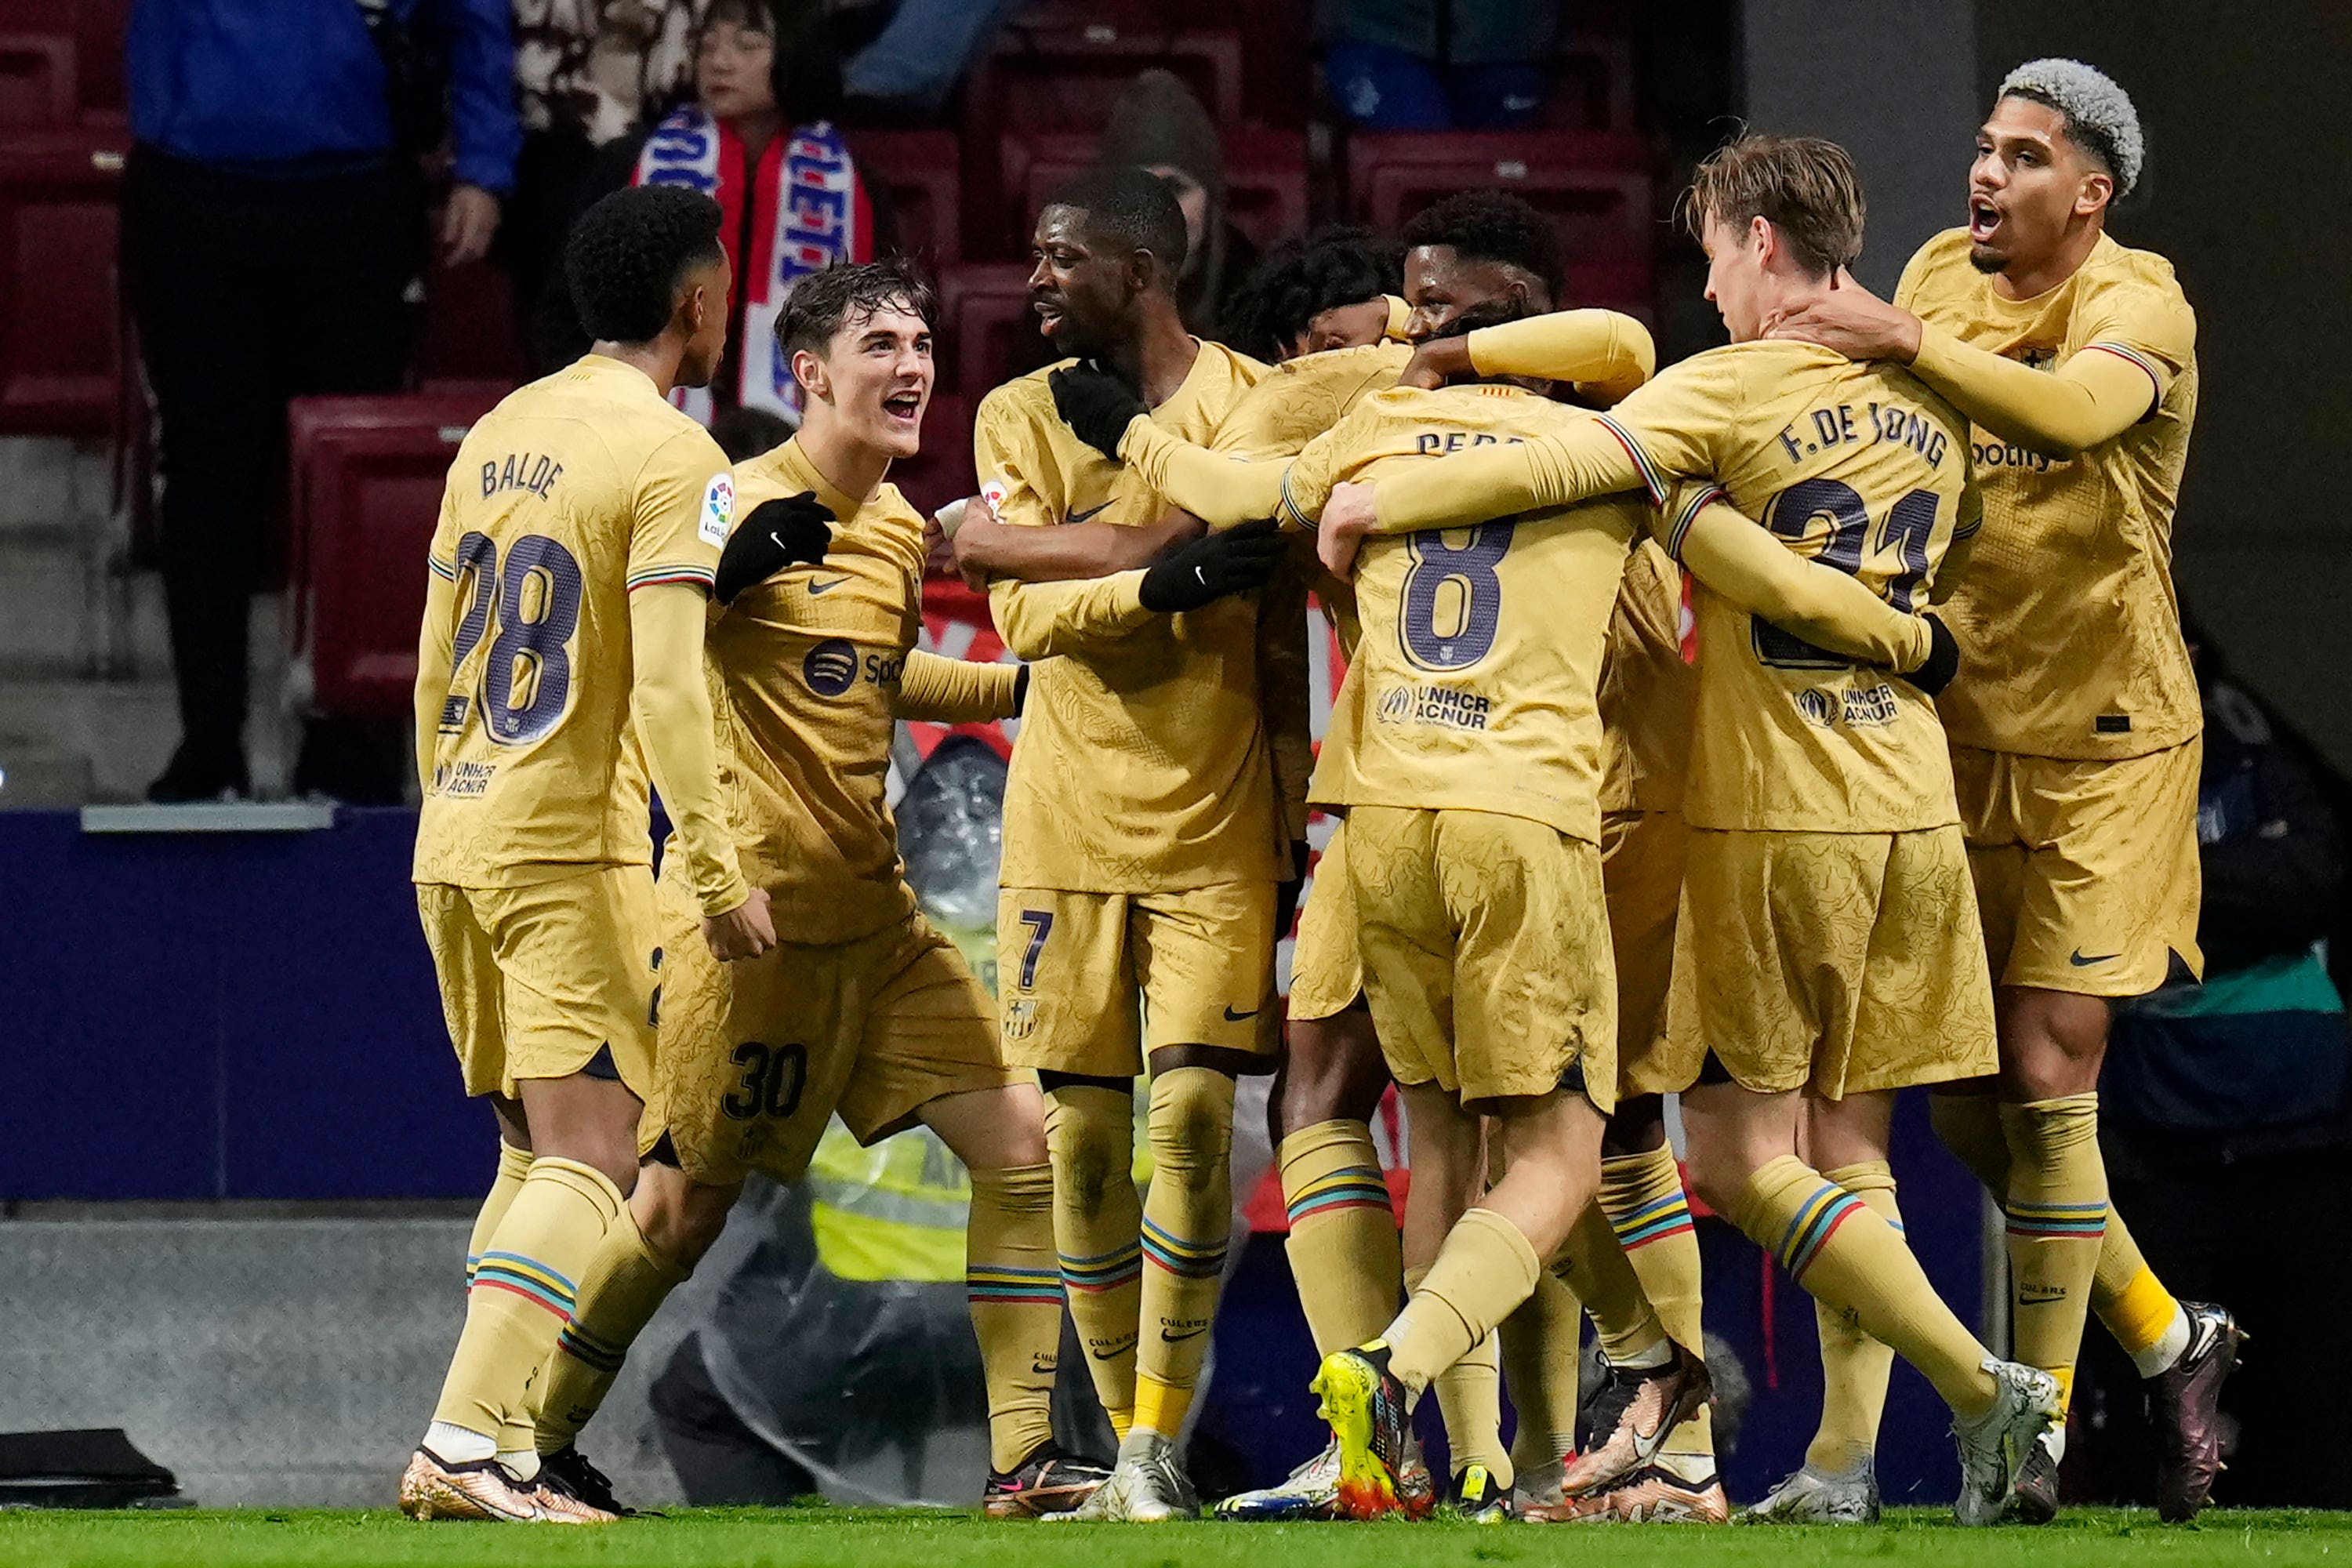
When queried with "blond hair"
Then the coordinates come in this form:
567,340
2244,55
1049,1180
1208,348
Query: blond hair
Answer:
1805,187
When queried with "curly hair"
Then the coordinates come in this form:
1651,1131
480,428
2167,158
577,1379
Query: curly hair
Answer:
1494,227
847,294
1130,208
1299,280
626,256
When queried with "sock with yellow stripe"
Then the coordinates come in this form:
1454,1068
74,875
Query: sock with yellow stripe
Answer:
1641,1195
1597,1272
1015,1283
1541,1344
2057,1209
1481,1273
1470,1399
514,1165
1841,1253
1090,1137
2133,1303
625,1286
525,1288
1855,1367
1187,1222
1343,1232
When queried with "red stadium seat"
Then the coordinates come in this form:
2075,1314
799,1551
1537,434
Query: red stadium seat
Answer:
61,332
38,84
942,471
1067,77
61,62
1596,189
989,331
916,170
470,332
366,475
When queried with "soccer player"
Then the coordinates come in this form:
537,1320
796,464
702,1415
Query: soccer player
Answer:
559,657
1466,752
2075,726
1829,938
862,1010
1141,843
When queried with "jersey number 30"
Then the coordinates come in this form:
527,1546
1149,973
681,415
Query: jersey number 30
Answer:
1910,523
527,676
1454,627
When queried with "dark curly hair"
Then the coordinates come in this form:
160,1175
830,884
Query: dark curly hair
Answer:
1299,280
1493,226
627,254
1130,208
845,294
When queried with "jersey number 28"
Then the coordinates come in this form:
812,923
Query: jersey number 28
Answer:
527,676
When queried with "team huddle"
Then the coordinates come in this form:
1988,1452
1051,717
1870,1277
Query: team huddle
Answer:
1781,729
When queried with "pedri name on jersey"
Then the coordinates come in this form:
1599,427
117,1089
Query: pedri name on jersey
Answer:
1891,424
522,471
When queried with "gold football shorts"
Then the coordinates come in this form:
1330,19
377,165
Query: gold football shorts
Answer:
1487,957
1072,969
1843,963
1327,969
1641,873
2087,872
536,980
757,1054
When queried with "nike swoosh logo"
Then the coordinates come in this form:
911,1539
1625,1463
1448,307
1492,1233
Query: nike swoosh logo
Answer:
1121,1349
2079,962
1233,1017
816,588
1082,516
1037,1365
1168,1339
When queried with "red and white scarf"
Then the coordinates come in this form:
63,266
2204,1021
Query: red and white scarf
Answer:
808,210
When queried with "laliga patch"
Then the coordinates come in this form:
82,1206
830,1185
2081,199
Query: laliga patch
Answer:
994,490
717,509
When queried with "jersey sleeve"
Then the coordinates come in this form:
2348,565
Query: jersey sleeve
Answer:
1311,477
1399,314
1606,354
2144,340
682,510
2150,328
1041,620
954,690
1220,491
1012,472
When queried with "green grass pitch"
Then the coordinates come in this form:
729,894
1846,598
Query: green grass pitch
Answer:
830,1538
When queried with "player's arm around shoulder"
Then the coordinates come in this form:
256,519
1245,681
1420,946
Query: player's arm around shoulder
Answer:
1023,487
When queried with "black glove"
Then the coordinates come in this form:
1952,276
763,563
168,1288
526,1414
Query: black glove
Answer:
794,531
1943,659
1096,404
1215,565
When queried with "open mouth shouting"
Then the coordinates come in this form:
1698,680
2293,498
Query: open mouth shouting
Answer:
1984,219
904,409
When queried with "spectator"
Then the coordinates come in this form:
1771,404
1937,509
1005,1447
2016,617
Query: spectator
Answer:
912,63
1158,124
1440,65
588,73
758,135
272,223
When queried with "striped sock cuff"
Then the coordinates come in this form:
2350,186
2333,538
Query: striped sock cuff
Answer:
1186,1260
1824,1209
995,1285
1653,1221
2057,1221
526,1277
601,1355
1354,1187
1104,1272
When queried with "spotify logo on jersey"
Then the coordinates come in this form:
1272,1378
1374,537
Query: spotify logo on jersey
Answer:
831,667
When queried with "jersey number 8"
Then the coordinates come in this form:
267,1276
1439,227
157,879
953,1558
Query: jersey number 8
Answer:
527,676
1466,634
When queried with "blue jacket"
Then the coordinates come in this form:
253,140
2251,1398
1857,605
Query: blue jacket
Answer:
281,87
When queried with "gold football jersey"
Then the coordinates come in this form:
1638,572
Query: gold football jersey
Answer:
573,492
1141,765
1857,466
1475,681
806,672
1649,693
2068,624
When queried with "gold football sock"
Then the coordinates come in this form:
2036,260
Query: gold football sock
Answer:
1015,1288
514,1165
2133,1304
1969,1126
2057,1208
1090,1134
625,1283
1484,1269
1833,1244
1542,1345
1595,1269
1643,1195
526,1284
1188,1219
1470,1400
1855,1367
1343,1232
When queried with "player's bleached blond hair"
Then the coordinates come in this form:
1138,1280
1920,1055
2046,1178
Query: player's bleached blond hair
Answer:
2100,117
